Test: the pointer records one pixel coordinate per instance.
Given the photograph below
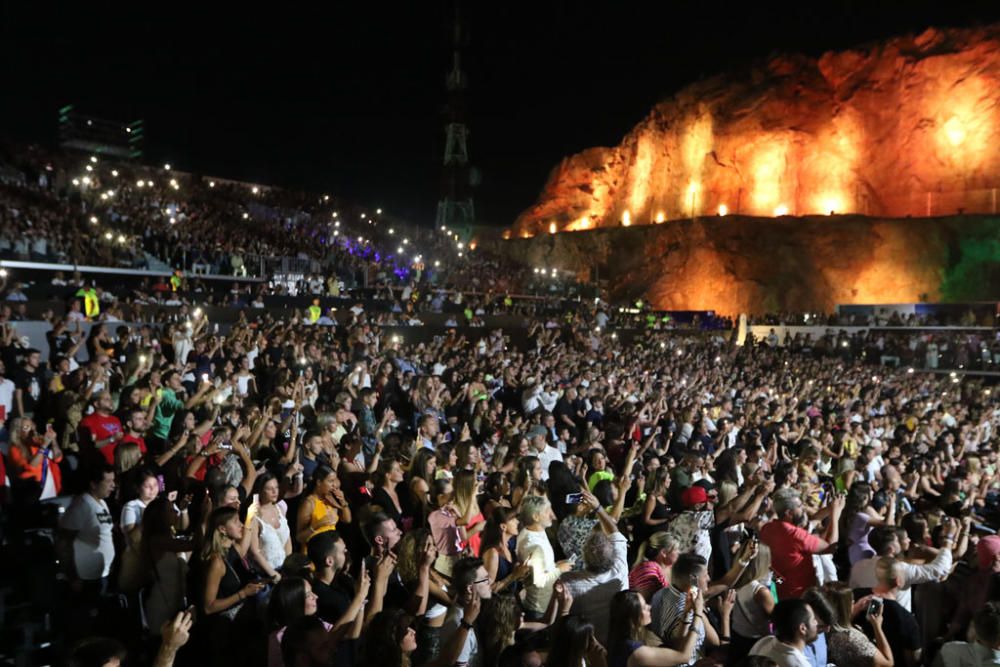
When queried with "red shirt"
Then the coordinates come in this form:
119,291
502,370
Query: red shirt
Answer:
102,427
792,549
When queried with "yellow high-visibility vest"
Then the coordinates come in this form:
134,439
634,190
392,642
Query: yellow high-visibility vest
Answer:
91,304
314,313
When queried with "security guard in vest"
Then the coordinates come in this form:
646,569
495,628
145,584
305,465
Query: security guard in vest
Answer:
315,312
91,301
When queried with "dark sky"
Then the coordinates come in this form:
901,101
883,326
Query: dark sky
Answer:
347,97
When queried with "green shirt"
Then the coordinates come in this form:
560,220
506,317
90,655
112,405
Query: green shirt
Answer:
169,406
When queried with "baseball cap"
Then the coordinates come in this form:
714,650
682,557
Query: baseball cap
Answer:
694,495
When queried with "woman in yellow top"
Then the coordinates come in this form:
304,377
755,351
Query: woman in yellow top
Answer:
323,508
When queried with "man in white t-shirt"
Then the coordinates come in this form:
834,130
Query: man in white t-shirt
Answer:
795,626
534,549
87,547
6,402
545,452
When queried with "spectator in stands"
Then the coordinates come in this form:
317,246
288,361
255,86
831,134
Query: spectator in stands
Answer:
630,614
885,541
795,626
101,431
984,650
534,548
87,549
29,383
901,629
792,547
34,462
605,571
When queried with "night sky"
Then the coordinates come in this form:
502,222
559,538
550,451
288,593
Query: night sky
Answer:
348,98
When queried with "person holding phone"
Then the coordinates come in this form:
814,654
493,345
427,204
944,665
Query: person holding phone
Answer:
846,643
34,461
901,629
228,587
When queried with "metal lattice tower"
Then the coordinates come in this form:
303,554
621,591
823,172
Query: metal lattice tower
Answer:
456,208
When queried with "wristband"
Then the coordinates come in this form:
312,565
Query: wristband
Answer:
465,624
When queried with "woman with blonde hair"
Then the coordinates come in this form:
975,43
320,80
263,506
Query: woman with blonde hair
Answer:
651,570
754,602
128,474
34,462
228,584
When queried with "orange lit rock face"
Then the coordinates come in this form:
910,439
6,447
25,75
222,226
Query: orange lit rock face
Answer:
907,127
758,265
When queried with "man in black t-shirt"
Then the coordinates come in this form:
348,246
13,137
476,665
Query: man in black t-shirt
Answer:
328,554
29,385
900,626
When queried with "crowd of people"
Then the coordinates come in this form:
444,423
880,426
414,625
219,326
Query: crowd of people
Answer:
982,316
928,349
285,494
74,208
306,489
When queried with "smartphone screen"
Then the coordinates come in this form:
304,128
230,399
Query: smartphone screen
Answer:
874,606
159,480
574,498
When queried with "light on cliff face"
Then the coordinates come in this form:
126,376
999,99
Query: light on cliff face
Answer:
626,219
692,192
780,210
552,228
723,210
954,131
832,205
660,217
579,225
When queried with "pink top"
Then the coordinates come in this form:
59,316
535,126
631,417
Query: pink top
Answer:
647,577
446,535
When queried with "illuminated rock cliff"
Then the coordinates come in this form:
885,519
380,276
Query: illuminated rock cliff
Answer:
908,127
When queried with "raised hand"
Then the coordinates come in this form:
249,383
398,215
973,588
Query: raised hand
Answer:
177,632
364,581
470,610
